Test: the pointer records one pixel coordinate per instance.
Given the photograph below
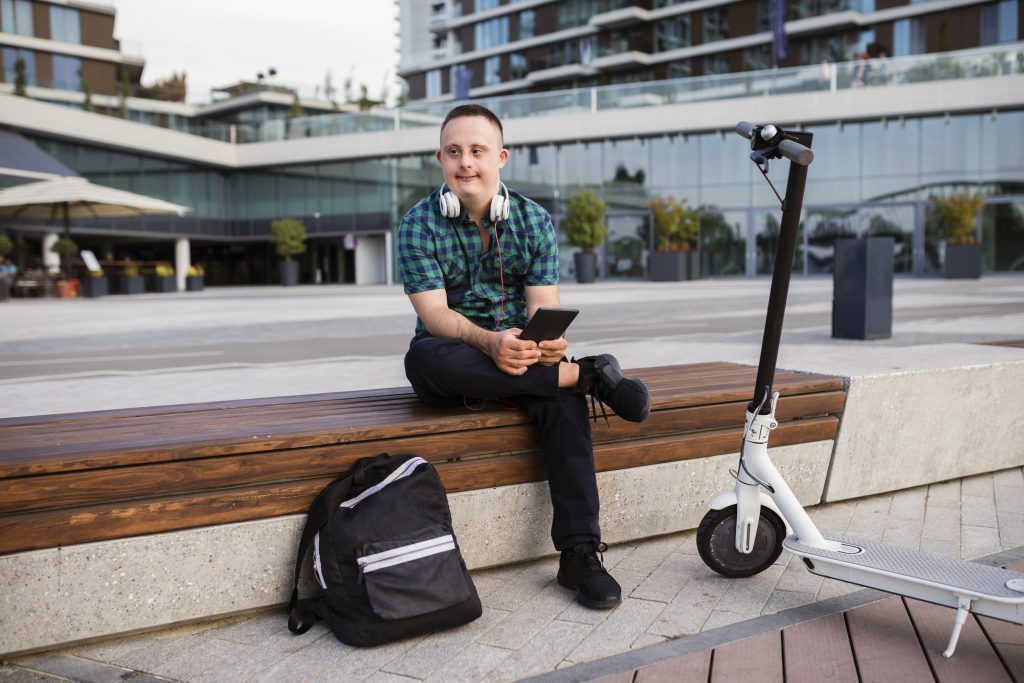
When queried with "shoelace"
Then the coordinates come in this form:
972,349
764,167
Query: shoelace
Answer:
595,559
594,401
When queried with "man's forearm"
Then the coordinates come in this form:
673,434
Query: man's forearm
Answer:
451,324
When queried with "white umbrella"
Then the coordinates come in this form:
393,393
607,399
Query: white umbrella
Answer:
69,196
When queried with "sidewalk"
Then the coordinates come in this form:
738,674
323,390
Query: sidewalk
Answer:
531,626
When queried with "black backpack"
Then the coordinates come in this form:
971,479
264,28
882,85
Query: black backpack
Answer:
384,556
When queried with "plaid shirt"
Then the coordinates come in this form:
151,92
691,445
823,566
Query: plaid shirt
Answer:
439,253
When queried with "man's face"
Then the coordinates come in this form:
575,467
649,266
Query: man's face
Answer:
471,156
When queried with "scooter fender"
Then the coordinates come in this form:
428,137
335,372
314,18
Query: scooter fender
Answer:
727,498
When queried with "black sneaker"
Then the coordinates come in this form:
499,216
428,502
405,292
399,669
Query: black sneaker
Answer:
601,378
582,570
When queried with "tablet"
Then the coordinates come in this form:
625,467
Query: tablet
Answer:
548,323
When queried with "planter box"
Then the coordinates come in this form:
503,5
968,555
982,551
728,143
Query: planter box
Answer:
586,267
963,261
862,288
289,273
93,286
165,283
193,283
131,284
673,266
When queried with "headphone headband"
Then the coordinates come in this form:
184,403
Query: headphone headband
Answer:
450,206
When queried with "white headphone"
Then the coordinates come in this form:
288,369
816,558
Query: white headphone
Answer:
500,204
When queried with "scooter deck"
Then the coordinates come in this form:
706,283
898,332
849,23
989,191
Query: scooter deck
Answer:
957,576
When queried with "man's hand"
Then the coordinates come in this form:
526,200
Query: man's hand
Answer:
552,351
512,354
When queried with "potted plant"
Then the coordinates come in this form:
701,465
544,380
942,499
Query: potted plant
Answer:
194,279
963,251
675,256
66,248
289,237
585,228
130,281
163,278
94,284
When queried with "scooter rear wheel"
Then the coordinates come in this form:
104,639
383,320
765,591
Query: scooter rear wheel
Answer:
716,543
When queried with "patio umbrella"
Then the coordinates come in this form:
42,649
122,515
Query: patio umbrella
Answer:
73,196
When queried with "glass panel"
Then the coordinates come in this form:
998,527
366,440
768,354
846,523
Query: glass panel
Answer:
372,185
16,17
723,243
766,241
579,166
625,174
1003,237
64,25
890,159
675,164
67,72
627,246
415,179
824,227
11,57
1001,161
891,221
533,171
299,192
526,24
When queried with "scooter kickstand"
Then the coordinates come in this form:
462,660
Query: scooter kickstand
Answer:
962,610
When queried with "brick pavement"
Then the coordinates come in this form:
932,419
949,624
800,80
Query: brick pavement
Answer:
530,625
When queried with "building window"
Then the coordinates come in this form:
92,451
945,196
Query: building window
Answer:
907,37
434,83
672,34
716,24
492,71
999,22
681,68
484,5
64,26
517,67
765,11
16,17
67,72
491,33
757,58
11,57
716,64
527,24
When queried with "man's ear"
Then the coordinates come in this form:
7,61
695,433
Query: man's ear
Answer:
437,155
502,157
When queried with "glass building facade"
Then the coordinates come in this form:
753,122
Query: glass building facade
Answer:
868,178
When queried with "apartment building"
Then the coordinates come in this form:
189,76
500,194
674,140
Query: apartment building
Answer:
481,48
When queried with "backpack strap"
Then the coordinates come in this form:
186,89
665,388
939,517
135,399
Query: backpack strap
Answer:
303,613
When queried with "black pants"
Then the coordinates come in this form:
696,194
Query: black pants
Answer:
446,371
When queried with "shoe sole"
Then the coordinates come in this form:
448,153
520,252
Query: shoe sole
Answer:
615,376
584,600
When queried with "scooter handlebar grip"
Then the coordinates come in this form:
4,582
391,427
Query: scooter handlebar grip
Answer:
796,152
746,129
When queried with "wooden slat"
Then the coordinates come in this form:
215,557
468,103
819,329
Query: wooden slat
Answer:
818,650
885,644
974,658
691,668
1008,640
758,658
117,519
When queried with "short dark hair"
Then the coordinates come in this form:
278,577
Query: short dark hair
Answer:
474,110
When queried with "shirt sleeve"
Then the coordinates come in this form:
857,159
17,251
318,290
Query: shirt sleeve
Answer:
544,262
417,260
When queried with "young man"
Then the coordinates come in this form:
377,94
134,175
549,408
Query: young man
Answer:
475,274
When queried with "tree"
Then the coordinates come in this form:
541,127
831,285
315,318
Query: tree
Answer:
958,212
584,220
6,245
296,109
66,248
20,82
289,237
675,225
122,99
87,99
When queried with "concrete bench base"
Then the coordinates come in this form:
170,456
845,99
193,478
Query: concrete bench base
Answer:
93,590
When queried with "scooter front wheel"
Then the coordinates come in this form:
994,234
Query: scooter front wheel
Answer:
716,543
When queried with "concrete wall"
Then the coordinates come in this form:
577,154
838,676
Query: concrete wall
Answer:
93,590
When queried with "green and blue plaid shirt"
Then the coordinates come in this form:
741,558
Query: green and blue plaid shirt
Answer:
435,252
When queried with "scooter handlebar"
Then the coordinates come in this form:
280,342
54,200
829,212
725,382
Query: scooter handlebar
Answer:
746,129
795,152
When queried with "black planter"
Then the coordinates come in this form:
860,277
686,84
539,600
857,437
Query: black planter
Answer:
90,286
586,267
862,288
164,284
131,284
963,261
694,271
193,283
289,273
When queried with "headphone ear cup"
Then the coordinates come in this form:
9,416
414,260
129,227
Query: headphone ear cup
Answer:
499,208
450,205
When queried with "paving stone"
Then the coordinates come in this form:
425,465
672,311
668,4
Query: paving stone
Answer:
319,655
156,650
257,658
16,674
833,516
781,600
617,553
665,582
534,615
472,664
941,522
719,618
526,583
649,554
544,651
795,578
978,511
978,485
576,612
1011,529
946,547
976,541
1010,477
432,653
1008,497
749,596
831,588
80,669
486,583
868,520
363,662
383,677
646,640
944,494
618,632
909,504
905,533
254,629
206,654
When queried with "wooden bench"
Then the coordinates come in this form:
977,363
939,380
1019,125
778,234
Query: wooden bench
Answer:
76,478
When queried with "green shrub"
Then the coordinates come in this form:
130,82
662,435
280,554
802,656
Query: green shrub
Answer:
289,237
6,245
584,220
675,225
164,270
958,212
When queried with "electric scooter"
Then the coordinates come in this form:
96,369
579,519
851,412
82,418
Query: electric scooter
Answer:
746,529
